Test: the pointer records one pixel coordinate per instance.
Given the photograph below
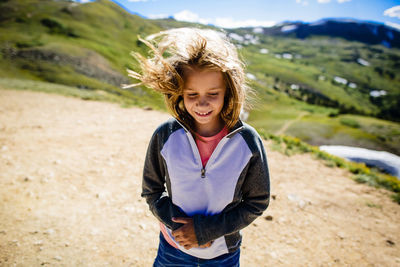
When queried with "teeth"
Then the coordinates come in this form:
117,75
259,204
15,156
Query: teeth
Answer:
203,114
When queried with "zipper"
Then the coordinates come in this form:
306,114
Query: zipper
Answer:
197,152
203,172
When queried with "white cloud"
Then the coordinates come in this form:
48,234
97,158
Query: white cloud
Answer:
137,0
302,2
323,1
393,12
393,25
231,23
187,15
342,1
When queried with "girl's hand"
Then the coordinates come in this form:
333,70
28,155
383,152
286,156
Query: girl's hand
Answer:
185,235
206,245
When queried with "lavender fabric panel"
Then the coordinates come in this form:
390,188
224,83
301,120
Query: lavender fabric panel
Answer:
209,195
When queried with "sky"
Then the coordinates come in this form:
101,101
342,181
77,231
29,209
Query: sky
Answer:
244,13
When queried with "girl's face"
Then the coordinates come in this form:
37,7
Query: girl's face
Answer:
203,97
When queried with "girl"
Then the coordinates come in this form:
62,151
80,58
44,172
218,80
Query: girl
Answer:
205,176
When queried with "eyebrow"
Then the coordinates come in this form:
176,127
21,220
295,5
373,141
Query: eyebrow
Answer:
213,88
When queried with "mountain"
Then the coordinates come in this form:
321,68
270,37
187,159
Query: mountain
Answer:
353,30
322,89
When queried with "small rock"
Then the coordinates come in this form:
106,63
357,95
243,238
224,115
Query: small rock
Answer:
57,162
273,197
390,243
58,258
27,179
301,204
3,232
49,231
129,209
142,226
273,254
147,108
269,218
341,235
293,197
38,243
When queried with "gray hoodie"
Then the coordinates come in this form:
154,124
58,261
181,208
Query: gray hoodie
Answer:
223,197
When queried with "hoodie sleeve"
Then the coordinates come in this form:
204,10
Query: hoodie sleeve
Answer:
153,185
255,194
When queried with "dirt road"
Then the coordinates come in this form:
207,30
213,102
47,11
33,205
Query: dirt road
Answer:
70,175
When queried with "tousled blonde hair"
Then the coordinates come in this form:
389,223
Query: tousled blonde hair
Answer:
176,50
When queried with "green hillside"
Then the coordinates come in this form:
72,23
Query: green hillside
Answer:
82,45
88,46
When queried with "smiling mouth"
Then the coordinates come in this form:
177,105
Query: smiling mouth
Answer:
203,114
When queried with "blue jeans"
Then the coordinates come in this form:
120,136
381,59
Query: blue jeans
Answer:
167,255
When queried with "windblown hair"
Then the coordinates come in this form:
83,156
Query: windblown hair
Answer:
174,52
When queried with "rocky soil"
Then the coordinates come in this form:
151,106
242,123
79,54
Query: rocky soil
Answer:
70,183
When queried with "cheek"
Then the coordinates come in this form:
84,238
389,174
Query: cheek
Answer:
219,102
187,103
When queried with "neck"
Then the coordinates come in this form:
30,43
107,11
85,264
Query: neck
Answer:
209,130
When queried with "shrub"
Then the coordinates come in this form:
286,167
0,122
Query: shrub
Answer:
350,122
56,27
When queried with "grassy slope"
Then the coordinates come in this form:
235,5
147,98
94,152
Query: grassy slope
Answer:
101,32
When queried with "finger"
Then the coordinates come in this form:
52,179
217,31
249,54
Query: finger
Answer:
177,235
180,220
187,246
206,245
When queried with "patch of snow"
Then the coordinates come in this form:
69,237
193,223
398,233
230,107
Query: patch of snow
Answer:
295,87
353,85
287,56
377,93
382,159
236,37
258,30
264,51
363,62
288,28
340,80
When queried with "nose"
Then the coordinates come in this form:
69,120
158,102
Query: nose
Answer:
202,101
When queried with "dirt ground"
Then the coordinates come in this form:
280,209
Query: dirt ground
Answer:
70,183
